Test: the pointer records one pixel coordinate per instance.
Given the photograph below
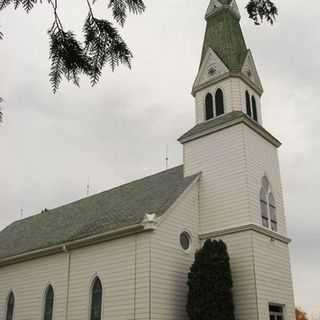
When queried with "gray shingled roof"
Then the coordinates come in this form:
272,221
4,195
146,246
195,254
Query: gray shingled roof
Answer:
224,36
107,211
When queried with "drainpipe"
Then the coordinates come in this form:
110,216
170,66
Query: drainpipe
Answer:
68,282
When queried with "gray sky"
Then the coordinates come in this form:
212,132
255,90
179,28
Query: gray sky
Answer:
118,131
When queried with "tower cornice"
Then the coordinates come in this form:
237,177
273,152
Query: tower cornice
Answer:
228,75
223,122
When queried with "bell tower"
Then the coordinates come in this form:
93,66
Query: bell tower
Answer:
240,191
226,64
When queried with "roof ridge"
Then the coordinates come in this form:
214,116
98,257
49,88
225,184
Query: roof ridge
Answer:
92,196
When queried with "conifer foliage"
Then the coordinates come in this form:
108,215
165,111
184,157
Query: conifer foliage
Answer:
210,284
102,45
258,10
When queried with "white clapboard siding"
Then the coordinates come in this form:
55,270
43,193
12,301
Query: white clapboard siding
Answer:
273,274
169,263
122,266
221,158
28,280
234,97
262,159
240,248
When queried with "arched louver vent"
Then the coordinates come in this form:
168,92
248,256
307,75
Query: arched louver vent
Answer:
209,106
219,103
254,109
248,104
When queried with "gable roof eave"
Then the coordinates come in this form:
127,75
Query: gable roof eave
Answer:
259,83
203,65
76,244
166,214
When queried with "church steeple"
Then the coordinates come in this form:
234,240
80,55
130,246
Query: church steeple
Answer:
216,5
224,35
226,67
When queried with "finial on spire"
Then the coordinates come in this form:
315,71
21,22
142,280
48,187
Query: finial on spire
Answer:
216,5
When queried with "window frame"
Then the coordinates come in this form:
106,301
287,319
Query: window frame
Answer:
254,108
275,313
268,202
45,302
251,106
189,237
219,91
92,284
207,106
11,294
248,104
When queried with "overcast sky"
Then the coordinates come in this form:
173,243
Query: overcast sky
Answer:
118,131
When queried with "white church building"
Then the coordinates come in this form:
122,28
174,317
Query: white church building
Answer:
124,254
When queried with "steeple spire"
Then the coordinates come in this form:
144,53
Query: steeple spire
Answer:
227,78
217,5
224,35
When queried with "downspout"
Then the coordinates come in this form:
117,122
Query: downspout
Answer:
68,282
135,279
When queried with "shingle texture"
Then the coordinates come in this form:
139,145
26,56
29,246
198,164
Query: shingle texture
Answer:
110,210
225,38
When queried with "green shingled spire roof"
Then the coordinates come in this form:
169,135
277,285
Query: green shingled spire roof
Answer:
224,35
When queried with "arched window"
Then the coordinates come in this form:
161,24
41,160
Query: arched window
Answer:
209,106
248,104
10,306
272,210
264,208
268,206
254,109
96,300
219,102
48,303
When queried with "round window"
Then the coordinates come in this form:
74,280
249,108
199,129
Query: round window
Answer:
185,240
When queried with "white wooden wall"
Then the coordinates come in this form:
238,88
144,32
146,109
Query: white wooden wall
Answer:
28,281
169,263
240,249
122,265
221,158
262,159
273,276
234,97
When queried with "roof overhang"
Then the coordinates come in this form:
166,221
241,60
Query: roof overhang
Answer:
228,75
249,227
228,120
76,244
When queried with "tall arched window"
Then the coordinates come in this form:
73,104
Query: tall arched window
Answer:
272,210
264,208
209,106
254,109
10,306
248,104
96,300
268,206
48,303
219,102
